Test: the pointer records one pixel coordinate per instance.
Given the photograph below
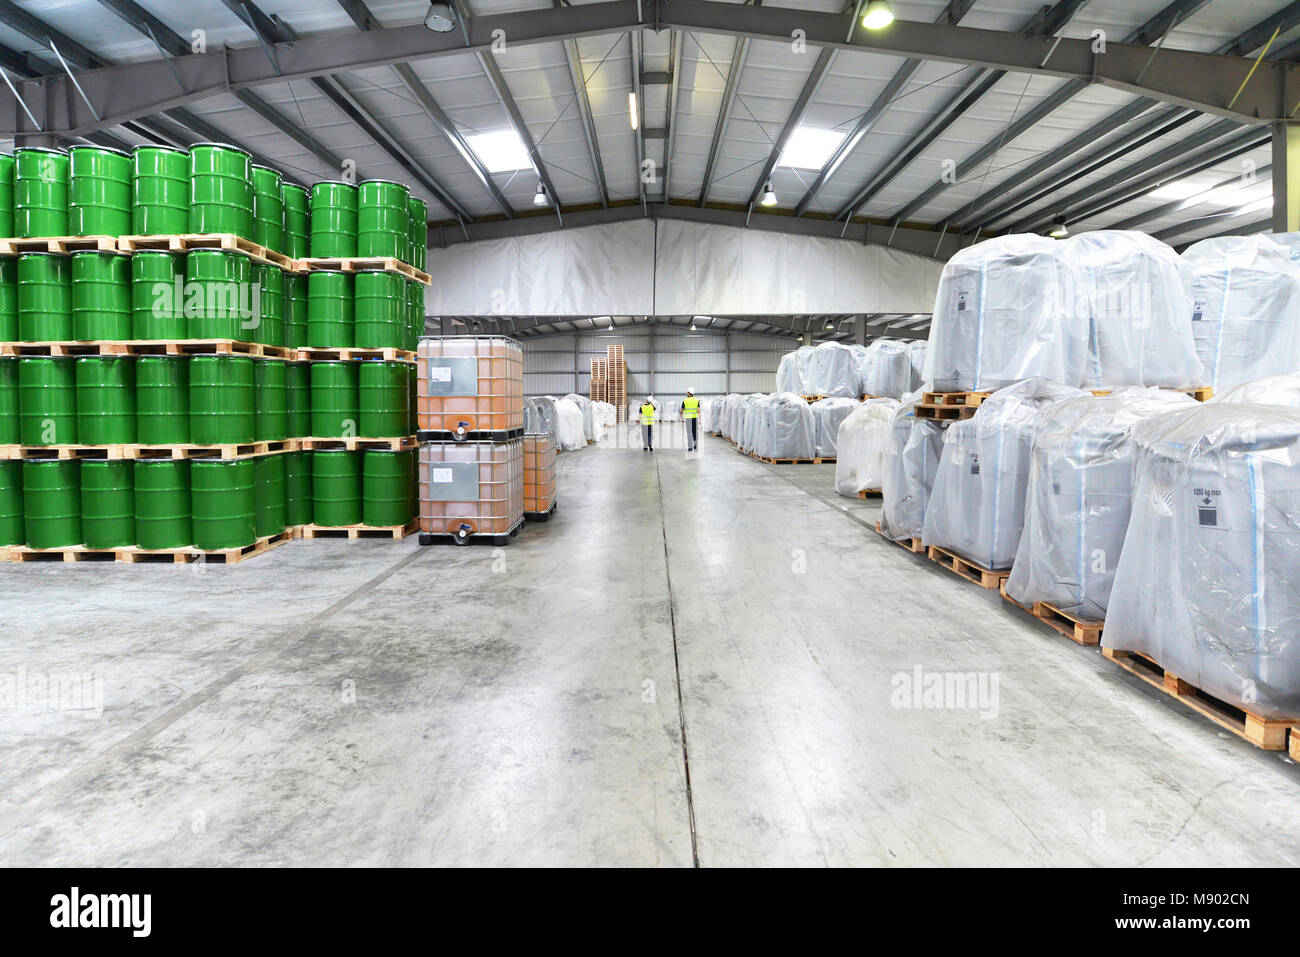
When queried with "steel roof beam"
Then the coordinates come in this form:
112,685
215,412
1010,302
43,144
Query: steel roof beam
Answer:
736,70
674,89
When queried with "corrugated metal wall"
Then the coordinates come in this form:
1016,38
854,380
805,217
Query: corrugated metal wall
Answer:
556,365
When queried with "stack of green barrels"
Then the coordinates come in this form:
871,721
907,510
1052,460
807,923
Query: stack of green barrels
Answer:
204,399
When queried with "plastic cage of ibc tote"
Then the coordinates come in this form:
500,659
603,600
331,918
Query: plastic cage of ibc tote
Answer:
470,388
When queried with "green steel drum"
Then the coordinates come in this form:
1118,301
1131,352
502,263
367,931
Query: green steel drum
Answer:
162,400
418,218
415,299
295,310
160,191
334,399
44,297
221,190
9,432
270,325
221,400
6,194
268,208
381,311
162,504
107,504
106,400
47,401
40,192
101,296
383,219
333,220
384,400
412,379
298,398
157,299
8,299
219,298
336,488
297,488
223,504
99,191
270,401
330,310
269,493
52,502
388,487
297,220
11,503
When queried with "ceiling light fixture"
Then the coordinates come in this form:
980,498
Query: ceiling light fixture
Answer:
1058,230
441,17
540,198
632,114
877,15
769,197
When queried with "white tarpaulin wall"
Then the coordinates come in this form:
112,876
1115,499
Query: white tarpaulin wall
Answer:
688,269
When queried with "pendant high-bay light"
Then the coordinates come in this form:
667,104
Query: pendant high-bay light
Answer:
769,197
1059,230
540,198
441,17
877,15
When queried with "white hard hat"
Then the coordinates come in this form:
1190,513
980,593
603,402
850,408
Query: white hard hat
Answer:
690,391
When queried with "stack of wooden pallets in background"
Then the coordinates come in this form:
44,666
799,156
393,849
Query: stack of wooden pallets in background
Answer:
616,381
599,386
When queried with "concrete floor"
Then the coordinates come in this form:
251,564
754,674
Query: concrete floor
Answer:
380,703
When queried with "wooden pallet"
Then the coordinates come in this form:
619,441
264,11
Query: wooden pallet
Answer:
399,443
12,246
353,532
810,399
867,492
912,545
990,578
221,347
22,350
1268,734
363,264
1293,745
36,452
764,458
1083,631
1201,393
308,354
949,405
130,555
185,242
226,453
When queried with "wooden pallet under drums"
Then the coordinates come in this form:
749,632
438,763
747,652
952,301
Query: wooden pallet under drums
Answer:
110,453
912,545
226,453
400,443
387,354
990,578
13,246
354,532
186,242
1083,631
143,347
1268,734
949,405
130,555
363,264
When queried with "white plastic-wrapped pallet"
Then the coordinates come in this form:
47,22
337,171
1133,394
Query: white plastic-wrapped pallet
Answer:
914,448
861,445
861,360
1206,583
1078,499
977,507
751,421
794,368
783,427
606,416
1274,390
828,414
889,369
734,402
832,370
571,432
1005,311
708,407
1129,288
1245,293
588,416
917,351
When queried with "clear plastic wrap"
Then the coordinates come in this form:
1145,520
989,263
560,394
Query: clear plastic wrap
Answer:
861,358
832,370
1206,583
913,450
1275,390
1245,293
782,427
571,434
862,444
827,416
606,416
731,417
1005,311
888,369
794,370
917,351
540,416
977,506
588,417
1078,499
749,421
1139,317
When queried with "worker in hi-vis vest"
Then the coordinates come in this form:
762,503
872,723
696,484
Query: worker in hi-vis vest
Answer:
648,424
691,416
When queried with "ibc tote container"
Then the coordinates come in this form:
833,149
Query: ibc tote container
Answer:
471,488
470,384
539,473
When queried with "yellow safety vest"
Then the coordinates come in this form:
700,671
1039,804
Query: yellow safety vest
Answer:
647,414
690,408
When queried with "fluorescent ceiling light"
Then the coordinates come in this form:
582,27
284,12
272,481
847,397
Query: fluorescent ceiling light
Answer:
501,151
632,110
810,148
